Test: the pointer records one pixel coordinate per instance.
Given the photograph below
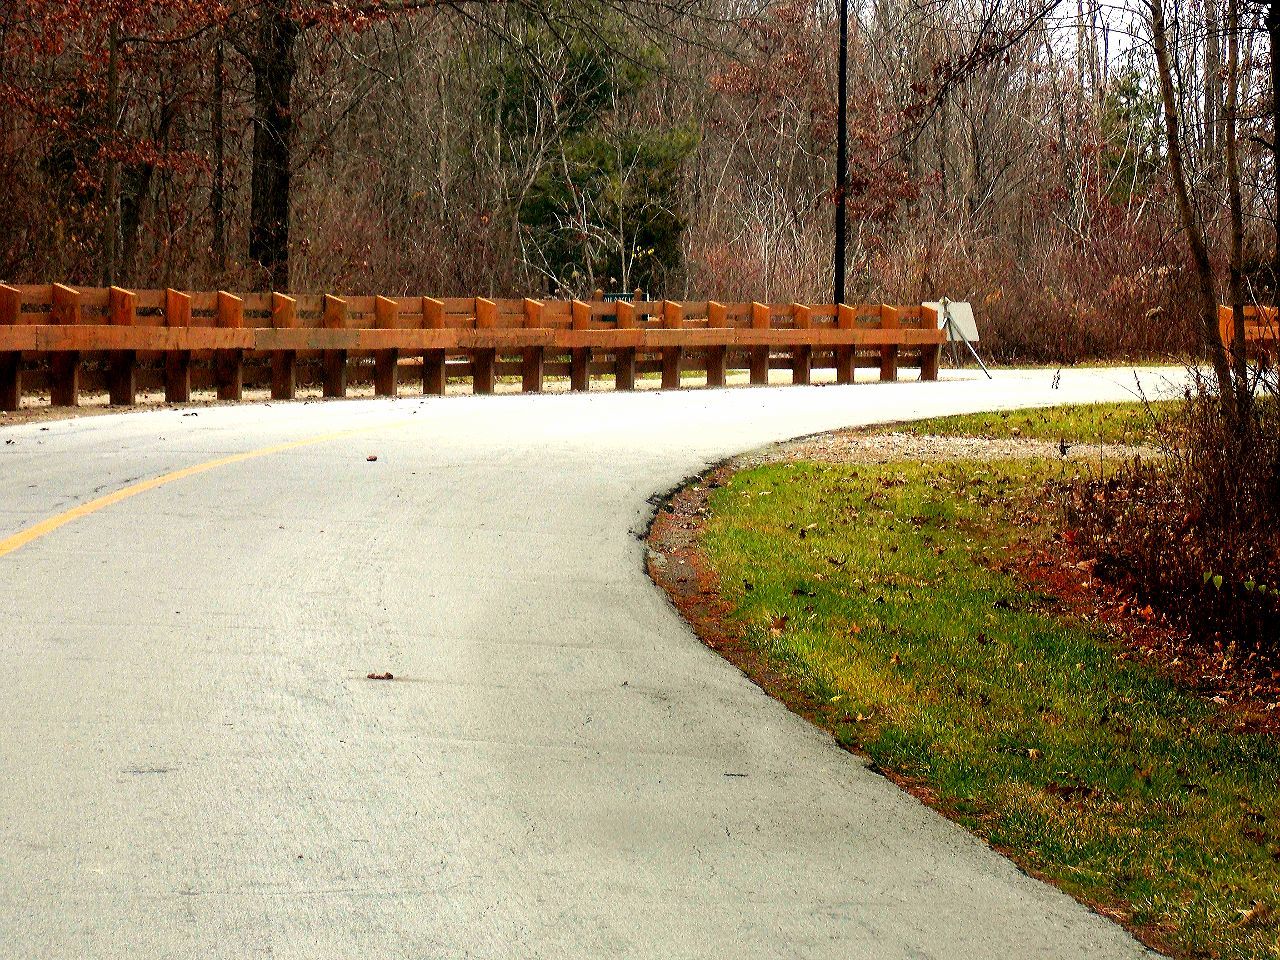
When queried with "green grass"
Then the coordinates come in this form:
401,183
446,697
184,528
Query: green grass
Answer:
867,586
1084,423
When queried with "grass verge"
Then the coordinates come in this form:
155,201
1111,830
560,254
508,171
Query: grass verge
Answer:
868,597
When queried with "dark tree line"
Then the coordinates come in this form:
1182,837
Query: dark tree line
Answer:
1016,154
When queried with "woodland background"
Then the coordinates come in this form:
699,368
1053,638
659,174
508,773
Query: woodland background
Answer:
1009,152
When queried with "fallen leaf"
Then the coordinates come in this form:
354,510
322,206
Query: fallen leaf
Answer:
1258,913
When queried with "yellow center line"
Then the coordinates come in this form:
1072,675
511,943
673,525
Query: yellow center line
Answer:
34,532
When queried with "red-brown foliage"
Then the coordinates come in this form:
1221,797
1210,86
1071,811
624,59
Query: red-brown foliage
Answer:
1197,532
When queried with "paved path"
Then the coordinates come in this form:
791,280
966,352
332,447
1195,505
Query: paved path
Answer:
193,764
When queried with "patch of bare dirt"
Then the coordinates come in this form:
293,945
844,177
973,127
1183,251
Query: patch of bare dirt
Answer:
37,409
862,446
42,412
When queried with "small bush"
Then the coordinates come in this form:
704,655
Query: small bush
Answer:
1195,533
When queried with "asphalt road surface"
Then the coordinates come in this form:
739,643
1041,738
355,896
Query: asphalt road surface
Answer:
193,763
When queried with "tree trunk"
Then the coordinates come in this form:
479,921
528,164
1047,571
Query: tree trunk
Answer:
1211,340
1273,33
134,193
274,66
1212,87
1239,361
217,202
110,190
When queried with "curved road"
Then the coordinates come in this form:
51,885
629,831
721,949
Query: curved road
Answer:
194,765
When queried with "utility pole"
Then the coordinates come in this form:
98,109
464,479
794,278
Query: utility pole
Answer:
842,146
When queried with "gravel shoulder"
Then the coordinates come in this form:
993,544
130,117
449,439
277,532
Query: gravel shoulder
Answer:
862,446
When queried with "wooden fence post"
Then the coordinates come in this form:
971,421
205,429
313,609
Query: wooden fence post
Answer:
802,354
177,363
532,359
284,363
485,359
624,358
846,319
334,317
889,352
717,316
672,357
433,360
10,360
386,363
930,353
122,376
580,357
64,365
760,320
228,365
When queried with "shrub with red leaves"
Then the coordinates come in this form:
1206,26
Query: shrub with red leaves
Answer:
1195,533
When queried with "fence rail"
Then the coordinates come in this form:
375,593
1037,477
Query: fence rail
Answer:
57,330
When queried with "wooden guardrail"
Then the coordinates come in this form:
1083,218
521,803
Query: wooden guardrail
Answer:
1261,329
58,331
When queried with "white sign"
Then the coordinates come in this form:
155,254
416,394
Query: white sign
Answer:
961,314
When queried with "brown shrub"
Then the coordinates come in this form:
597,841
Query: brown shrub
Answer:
1195,533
